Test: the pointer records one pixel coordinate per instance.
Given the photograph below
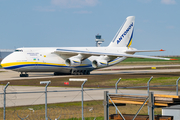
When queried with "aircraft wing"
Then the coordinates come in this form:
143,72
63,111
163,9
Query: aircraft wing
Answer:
87,54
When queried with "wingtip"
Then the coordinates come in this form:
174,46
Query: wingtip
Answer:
161,50
174,59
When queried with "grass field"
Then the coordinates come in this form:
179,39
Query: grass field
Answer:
70,111
144,61
149,60
104,81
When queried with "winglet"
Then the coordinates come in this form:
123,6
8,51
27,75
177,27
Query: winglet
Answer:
174,59
161,50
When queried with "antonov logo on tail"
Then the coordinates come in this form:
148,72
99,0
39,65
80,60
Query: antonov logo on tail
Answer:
122,36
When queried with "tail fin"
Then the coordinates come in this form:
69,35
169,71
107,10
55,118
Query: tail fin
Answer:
123,37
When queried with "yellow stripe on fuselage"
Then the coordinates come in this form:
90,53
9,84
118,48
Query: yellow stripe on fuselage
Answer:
28,63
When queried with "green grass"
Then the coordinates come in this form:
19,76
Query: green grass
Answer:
70,104
145,61
104,81
70,111
143,81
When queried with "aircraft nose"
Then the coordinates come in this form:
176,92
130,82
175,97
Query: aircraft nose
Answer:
4,62
8,60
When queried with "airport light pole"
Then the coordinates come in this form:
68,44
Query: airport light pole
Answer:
77,79
47,83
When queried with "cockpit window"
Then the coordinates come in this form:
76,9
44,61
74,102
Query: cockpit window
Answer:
18,50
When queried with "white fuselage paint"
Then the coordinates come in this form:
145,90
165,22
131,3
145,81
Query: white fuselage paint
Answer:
45,60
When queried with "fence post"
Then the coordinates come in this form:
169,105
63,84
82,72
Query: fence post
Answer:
83,99
117,88
177,86
151,106
4,112
82,102
47,83
106,106
148,89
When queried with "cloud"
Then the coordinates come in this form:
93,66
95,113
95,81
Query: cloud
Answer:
168,2
170,27
74,3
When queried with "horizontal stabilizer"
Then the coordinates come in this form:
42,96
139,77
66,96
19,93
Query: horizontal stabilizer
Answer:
134,51
174,59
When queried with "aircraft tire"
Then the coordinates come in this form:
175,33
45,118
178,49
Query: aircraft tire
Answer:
55,73
78,73
74,72
24,75
82,72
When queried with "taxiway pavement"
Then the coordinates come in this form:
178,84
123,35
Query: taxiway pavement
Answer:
15,98
12,75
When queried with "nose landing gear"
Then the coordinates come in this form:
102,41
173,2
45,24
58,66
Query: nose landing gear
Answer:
24,75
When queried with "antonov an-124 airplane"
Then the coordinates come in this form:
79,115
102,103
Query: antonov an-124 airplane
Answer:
76,60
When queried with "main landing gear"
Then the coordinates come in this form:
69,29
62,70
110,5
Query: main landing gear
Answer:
24,75
74,72
80,72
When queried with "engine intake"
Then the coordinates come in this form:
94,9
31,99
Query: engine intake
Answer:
73,61
99,63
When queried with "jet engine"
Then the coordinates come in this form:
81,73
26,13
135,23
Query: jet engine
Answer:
74,61
99,63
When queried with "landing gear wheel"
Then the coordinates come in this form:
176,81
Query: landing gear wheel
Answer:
24,75
57,73
88,73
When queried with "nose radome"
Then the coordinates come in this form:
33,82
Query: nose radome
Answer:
6,60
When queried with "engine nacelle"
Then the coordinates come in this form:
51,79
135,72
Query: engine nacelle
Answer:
73,61
99,63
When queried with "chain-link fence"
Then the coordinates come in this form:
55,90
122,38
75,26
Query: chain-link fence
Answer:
28,102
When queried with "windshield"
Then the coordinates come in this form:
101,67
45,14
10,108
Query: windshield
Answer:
18,50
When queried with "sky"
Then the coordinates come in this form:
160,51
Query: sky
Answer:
74,23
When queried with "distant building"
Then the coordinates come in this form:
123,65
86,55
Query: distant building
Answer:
5,52
98,40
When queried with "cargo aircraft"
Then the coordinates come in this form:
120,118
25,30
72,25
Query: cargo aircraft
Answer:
76,60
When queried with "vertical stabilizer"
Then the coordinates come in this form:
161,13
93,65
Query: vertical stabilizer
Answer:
123,37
